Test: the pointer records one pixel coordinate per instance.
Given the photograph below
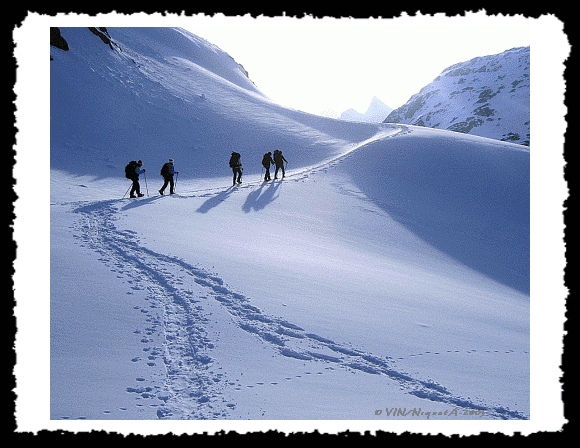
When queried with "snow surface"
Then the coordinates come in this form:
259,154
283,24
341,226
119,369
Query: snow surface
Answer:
385,277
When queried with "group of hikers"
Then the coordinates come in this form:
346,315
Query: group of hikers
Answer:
278,160
133,170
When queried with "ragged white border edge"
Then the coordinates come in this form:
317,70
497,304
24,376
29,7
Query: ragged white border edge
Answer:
550,49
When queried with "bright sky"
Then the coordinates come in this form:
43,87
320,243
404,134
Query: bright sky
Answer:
326,66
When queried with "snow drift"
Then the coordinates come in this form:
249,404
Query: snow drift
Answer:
385,277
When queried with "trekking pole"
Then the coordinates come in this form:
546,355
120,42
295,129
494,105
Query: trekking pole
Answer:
146,189
127,191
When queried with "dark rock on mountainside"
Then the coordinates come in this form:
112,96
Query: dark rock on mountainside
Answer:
102,34
487,96
56,40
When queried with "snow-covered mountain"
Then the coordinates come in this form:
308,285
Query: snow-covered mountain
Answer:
195,113
386,276
487,96
376,112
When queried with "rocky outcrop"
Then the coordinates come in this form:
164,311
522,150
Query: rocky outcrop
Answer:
57,41
103,34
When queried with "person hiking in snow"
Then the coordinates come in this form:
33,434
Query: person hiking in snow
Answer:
236,167
167,171
266,161
132,171
279,162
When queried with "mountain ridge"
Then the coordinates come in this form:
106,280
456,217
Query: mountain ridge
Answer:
487,96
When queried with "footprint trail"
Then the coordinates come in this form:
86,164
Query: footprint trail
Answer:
181,331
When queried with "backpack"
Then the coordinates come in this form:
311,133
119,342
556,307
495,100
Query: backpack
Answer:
235,160
165,171
266,161
130,169
278,156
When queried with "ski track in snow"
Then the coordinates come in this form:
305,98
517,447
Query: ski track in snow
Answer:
180,331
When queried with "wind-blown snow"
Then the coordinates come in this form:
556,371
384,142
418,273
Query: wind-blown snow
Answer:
385,277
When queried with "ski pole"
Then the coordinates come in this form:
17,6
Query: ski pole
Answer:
127,191
175,186
261,172
146,189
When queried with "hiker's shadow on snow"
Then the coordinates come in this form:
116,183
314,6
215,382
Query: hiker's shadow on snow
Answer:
140,202
260,198
95,206
216,200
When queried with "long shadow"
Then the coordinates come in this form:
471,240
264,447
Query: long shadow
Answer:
140,202
95,206
258,199
215,200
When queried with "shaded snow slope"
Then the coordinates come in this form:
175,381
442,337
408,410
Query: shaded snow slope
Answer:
468,197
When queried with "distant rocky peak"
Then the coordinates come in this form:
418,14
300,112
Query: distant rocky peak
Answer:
375,113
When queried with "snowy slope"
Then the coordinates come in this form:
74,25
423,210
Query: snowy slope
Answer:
377,112
486,96
385,277
152,102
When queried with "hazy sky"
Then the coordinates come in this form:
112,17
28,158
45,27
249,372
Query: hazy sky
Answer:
326,66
